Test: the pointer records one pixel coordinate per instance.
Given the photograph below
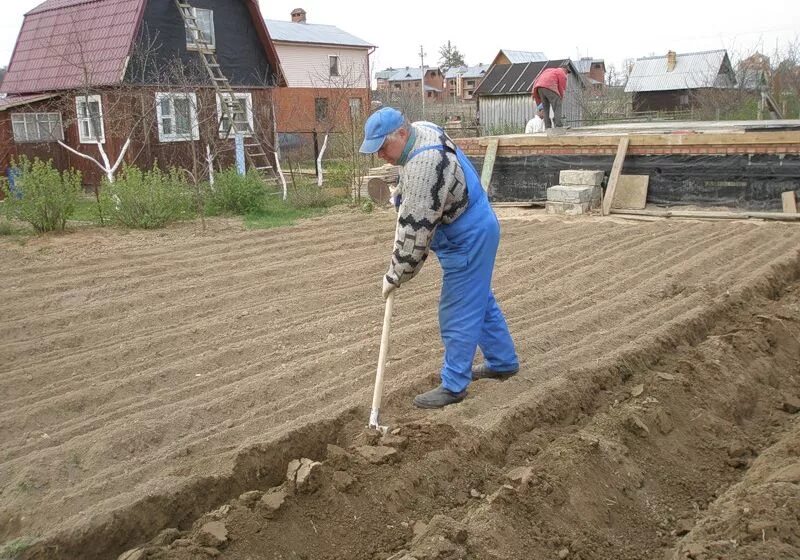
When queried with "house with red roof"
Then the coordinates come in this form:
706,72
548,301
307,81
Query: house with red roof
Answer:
127,80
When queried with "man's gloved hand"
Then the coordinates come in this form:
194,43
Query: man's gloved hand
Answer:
388,287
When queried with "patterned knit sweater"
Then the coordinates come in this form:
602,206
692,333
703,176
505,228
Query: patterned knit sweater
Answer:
433,191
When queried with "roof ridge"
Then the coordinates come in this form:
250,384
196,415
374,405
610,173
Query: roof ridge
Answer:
682,54
42,8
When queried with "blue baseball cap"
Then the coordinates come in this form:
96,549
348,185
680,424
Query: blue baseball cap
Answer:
380,124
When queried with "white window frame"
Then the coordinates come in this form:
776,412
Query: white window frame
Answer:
88,138
34,121
175,136
190,41
331,67
248,97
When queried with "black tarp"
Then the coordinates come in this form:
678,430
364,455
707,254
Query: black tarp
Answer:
745,181
162,41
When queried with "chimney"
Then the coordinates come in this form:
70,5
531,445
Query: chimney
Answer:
298,15
672,60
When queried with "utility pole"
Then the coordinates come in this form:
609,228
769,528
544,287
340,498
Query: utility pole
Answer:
422,71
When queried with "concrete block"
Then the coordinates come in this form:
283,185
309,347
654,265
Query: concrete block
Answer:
582,177
567,208
631,192
573,194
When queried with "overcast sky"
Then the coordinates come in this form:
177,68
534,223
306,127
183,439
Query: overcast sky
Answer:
607,29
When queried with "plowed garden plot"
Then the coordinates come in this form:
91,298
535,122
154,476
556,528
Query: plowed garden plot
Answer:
158,385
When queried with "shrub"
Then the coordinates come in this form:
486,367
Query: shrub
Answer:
146,200
236,194
41,195
310,196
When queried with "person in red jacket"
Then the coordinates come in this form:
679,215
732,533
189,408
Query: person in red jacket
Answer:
548,89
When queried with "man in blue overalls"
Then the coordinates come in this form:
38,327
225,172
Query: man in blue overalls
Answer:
442,206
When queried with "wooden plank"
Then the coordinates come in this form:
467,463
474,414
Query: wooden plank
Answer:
574,138
488,163
789,202
525,204
780,216
616,169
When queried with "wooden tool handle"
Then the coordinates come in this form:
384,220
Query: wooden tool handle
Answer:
378,393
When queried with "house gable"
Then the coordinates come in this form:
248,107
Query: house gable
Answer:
689,71
244,56
308,65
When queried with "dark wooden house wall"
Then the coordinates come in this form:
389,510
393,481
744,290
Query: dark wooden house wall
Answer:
127,110
162,37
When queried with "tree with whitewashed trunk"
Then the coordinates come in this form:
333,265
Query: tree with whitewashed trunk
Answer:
339,117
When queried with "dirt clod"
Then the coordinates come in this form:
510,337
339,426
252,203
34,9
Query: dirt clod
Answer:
251,498
790,404
378,454
342,480
273,500
134,554
212,535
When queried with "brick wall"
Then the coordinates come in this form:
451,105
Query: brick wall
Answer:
296,108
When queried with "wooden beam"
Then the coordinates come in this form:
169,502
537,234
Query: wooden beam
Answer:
488,163
743,215
526,204
616,169
789,202
644,140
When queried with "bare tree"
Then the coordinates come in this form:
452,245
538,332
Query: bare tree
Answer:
339,114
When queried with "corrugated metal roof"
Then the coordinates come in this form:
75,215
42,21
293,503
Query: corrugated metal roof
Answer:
692,71
467,72
312,33
385,74
64,41
524,56
17,101
504,79
584,64
407,74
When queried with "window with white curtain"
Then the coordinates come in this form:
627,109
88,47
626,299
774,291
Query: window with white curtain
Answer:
90,119
37,127
177,117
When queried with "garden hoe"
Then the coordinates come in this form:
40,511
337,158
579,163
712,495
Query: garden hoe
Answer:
378,393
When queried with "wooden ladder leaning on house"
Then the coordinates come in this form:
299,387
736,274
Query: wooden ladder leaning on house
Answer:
254,149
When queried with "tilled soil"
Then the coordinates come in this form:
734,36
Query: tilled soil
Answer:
158,384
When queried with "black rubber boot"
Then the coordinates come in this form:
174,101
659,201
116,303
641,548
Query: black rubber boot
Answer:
483,372
438,398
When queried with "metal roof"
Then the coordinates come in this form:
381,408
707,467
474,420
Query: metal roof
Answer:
56,5
17,101
505,79
385,74
524,56
584,64
293,32
62,42
467,72
408,73
692,71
